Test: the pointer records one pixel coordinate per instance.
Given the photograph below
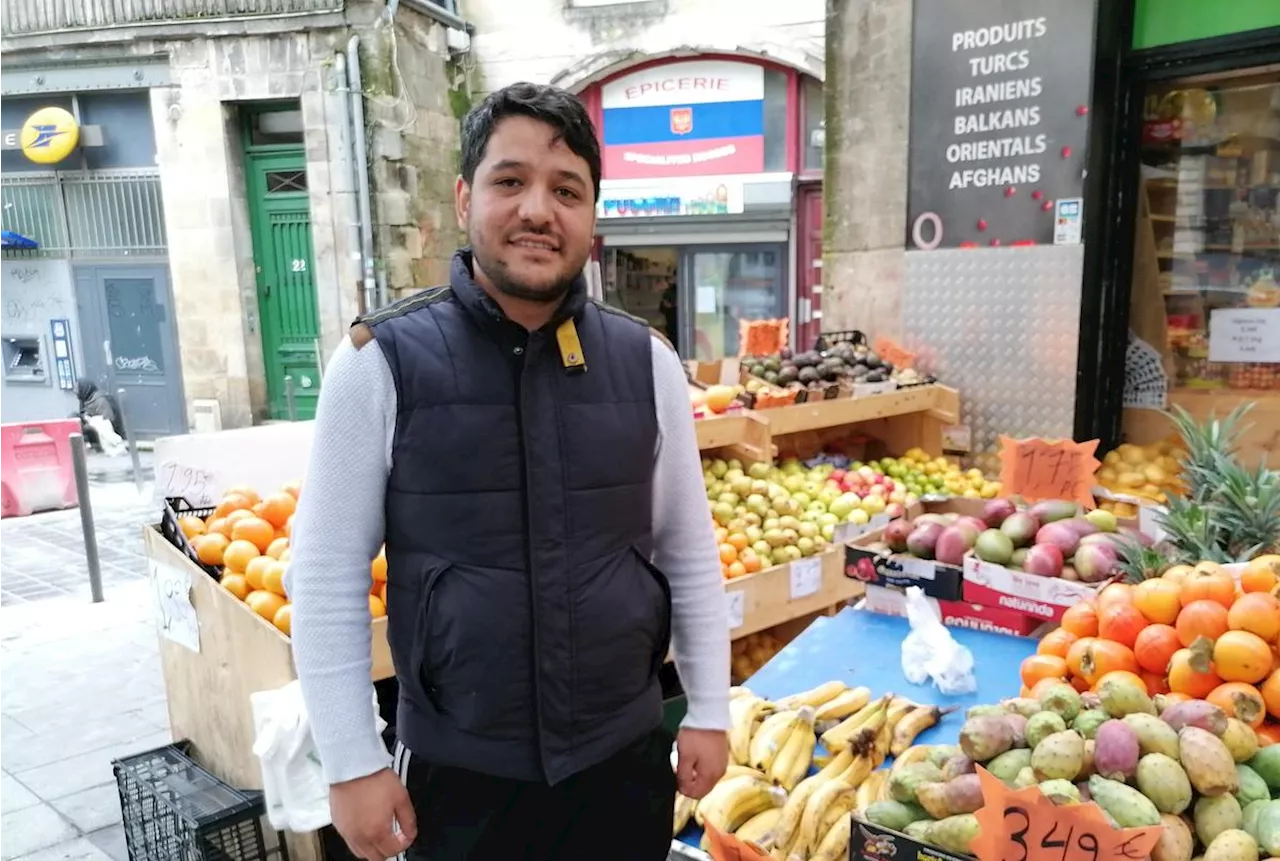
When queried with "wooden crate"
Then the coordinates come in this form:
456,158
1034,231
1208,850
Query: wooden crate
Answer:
240,654
766,595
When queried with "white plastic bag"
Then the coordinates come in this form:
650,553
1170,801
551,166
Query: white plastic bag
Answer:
930,651
294,788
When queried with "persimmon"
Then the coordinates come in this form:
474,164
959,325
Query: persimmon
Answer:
211,547
235,584
1258,613
1038,667
1105,656
1157,683
238,555
264,603
1081,620
1158,600
1056,642
1268,734
1203,618
1240,700
288,526
255,573
1261,574
1184,678
1155,647
1242,657
728,553
255,530
1120,623
1270,690
277,508
1075,654
1080,684
233,502
1208,582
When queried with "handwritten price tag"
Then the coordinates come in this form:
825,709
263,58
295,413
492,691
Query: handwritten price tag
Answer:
894,354
176,615
1023,825
806,577
737,608
1037,469
195,485
726,847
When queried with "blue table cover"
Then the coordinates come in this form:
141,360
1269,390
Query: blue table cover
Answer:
862,648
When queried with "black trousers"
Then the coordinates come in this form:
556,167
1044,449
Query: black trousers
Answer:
620,809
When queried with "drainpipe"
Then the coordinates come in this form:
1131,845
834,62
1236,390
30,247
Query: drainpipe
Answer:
347,157
361,160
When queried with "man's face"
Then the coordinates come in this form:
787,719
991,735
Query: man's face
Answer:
530,212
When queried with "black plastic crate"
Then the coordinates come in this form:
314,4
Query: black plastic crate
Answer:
827,340
175,810
175,507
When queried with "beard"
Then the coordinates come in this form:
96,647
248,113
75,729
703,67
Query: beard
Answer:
547,290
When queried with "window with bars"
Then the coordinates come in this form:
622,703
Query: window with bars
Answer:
286,180
86,213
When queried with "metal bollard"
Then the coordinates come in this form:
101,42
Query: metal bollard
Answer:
132,443
288,398
86,517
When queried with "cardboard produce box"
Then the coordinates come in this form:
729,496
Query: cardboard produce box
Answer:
1045,598
869,842
889,601
877,568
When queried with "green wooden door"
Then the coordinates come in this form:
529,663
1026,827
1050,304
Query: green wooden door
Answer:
280,218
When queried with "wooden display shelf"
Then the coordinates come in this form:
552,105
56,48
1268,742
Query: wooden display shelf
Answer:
1261,437
766,595
746,428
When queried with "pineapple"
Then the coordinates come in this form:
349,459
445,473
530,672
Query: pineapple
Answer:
1139,562
1248,505
1205,445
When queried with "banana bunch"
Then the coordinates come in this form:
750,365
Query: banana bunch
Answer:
917,719
735,800
816,697
871,715
745,714
792,761
822,799
768,741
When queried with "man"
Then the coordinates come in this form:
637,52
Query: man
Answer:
530,457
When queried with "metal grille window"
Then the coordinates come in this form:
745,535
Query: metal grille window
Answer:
86,213
286,180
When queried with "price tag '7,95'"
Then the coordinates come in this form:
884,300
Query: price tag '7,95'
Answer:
1037,469
1023,825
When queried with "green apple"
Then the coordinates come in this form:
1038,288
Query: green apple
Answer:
806,545
873,504
858,517
719,468
758,470
829,531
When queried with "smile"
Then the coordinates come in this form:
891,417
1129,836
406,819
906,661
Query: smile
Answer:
533,243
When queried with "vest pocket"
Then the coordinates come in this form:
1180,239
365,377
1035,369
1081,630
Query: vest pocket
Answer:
472,650
664,640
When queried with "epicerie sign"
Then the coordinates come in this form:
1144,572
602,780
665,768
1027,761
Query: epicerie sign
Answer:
999,119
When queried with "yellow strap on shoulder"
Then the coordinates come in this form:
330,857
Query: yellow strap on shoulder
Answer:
570,348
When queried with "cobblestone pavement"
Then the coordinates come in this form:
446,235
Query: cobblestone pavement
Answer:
42,555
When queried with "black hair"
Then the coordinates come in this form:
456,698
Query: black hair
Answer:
558,108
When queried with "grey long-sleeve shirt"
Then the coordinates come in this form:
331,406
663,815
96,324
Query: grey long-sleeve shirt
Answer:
339,528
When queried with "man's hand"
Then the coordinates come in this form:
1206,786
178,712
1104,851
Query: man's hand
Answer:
702,756
363,811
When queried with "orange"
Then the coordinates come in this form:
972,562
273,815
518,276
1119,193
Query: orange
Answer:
1242,657
264,603
750,561
293,488
1120,623
1208,582
1261,574
211,548
255,530
1203,618
285,556
1056,643
238,555
1270,690
721,534
191,525
1240,700
235,584
1184,678
739,541
728,554
243,490
1037,667
283,620
273,577
1081,620
288,526
377,607
218,525
276,547
737,569
379,565
233,502
1258,613
236,516
277,508
256,571
1158,600
1155,647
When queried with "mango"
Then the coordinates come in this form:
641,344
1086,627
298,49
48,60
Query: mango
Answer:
1176,842
1042,725
1163,780
894,815
1232,845
1215,814
1207,762
1059,757
1128,807
1154,735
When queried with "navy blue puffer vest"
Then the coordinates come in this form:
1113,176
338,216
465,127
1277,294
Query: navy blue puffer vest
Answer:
526,622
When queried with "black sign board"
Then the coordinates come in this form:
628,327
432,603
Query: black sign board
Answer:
999,119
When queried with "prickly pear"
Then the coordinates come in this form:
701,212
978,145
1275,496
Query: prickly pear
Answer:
1041,726
1162,779
1154,735
985,737
1207,762
1115,752
1216,814
1059,756
1126,805
1120,698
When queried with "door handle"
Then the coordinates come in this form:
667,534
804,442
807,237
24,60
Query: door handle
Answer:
266,291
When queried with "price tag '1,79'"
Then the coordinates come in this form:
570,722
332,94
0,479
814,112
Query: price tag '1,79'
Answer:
1024,825
1037,469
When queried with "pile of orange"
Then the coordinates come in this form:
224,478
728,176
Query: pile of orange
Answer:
1193,633
737,559
247,536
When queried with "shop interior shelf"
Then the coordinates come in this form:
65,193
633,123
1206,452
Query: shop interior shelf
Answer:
940,401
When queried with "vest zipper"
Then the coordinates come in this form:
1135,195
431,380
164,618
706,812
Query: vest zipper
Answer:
528,553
